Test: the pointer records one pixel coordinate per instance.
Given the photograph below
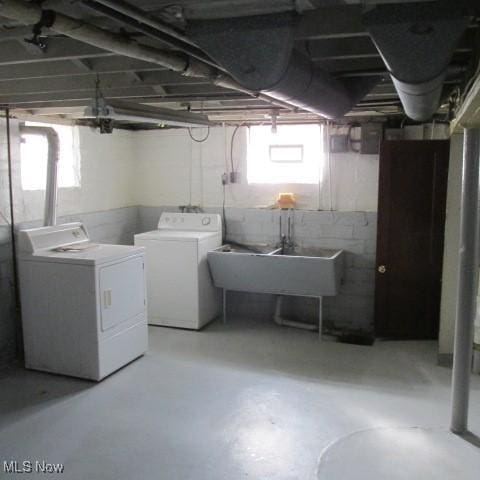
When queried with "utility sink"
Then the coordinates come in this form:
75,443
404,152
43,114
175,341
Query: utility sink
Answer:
310,272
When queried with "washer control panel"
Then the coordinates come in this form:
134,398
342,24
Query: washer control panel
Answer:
203,222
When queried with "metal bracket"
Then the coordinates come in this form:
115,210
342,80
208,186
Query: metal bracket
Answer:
46,21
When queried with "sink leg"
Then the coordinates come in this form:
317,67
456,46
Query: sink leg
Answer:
320,312
224,305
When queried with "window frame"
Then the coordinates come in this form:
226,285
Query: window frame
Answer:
263,170
286,147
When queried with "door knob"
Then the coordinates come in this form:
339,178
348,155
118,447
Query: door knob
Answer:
382,269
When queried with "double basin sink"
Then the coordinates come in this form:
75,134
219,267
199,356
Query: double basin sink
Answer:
310,272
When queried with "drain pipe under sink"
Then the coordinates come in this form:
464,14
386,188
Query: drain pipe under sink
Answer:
279,320
50,212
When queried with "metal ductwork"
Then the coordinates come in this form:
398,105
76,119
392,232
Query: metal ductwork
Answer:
259,54
256,51
51,190
33,14
416,42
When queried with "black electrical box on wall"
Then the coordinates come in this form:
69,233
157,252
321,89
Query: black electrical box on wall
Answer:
371,136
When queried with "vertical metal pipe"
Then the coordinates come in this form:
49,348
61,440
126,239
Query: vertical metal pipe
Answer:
19,334
51,190
467,282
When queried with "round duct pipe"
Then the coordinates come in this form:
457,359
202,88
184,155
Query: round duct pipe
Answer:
51,190
416,43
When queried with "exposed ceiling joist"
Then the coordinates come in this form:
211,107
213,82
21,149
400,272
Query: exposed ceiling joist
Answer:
342,21
333,36
88,81
362,48
74,67
60,49
128,92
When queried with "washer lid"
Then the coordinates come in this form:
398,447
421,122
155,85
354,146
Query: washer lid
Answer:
95,254
176,236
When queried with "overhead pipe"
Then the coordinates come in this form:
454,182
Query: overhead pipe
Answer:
134,17
467,281
140,16
51,190
129,16
32,14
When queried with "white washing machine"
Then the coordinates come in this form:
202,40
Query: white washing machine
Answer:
180,290
83,304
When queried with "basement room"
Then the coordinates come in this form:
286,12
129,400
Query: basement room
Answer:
240,239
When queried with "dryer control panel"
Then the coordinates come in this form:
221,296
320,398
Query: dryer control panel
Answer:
35,240
195,222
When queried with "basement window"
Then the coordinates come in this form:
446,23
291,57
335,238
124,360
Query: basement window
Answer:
34,157
292,155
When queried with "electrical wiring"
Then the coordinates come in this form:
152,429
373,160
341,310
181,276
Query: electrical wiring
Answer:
201,140
232,144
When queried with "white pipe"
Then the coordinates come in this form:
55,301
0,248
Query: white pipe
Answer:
30,14
279,320
133,12
467,284
50,212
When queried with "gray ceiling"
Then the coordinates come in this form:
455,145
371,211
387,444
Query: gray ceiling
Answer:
64,74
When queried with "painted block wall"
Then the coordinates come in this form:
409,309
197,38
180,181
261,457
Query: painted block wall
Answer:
117,225
173,170
106,169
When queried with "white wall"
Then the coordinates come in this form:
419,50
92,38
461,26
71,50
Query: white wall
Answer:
167,168
174,170
107,171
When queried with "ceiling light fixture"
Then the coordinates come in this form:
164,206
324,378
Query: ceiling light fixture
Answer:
129,112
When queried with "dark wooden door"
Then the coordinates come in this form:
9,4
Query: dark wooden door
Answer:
411,220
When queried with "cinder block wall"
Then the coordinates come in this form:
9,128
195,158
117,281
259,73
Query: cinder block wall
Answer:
117,226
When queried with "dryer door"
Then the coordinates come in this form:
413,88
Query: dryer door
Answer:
122,291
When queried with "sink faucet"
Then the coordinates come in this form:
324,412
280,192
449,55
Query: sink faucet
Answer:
290,243
286,240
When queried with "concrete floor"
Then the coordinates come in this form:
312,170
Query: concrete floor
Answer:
244,400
